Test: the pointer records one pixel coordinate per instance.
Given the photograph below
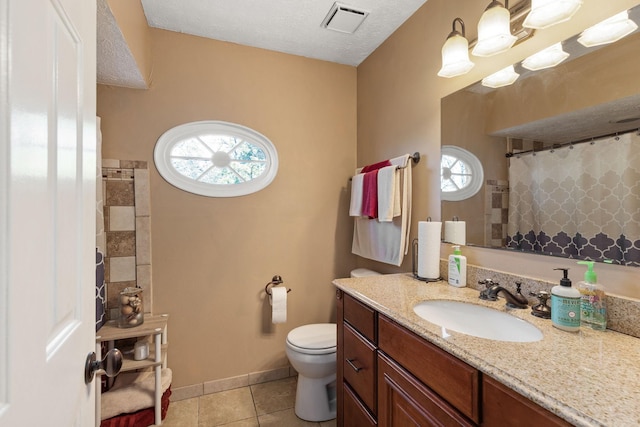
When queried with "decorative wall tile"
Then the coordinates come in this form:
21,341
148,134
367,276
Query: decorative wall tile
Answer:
119,193
121,243
133,164
143,240
143,273
110,163
142,199
122,218
123,269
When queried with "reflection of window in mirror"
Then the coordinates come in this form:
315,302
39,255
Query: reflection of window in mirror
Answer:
461,174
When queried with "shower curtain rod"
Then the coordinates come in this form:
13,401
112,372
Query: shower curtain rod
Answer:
571,143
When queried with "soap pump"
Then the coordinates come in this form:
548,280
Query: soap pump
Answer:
565,304
593,308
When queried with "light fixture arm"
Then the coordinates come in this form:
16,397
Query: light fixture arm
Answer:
453,27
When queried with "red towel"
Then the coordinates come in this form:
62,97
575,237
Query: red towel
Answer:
370,188
375,166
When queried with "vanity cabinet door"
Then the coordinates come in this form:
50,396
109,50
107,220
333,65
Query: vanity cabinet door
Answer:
452,379
502,406
355,413
405,401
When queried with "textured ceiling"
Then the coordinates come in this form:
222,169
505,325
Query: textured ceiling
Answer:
289,26
115,63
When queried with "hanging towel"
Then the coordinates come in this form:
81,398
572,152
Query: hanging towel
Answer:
388,193
387,242
370,194
355,207
370,188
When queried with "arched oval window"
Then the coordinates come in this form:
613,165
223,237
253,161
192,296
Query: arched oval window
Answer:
216,159
461,174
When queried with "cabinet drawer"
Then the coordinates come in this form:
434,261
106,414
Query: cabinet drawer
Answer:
404,401
502,406
361,317
454,380
359,366
355,414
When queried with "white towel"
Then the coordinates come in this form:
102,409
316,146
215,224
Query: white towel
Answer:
387,242
388,193
355,207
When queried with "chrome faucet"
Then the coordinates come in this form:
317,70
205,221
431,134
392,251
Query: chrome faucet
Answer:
490,293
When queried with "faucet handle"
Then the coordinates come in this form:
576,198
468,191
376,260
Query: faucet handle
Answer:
518,286
488,283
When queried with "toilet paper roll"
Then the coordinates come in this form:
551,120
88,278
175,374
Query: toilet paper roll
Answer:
455,232
429,249
278,300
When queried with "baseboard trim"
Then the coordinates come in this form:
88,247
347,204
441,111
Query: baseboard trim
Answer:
215,386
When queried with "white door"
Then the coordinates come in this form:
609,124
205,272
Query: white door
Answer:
47,211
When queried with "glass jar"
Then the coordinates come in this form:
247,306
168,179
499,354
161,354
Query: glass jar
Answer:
131,309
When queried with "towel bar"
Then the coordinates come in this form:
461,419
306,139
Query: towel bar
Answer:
415,157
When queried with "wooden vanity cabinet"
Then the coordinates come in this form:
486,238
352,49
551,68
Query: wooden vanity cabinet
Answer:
405,401
388,376
452,379
356,362
502,406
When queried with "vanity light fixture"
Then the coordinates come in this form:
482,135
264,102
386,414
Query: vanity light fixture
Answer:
608,31
504,77
546,58
494,30
455,53
545,13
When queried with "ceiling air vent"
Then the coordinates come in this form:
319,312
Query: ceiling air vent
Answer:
343,18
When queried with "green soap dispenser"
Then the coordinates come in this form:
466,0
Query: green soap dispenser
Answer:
565,304
593,300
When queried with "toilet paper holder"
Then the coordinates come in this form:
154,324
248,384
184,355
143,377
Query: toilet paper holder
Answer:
275,280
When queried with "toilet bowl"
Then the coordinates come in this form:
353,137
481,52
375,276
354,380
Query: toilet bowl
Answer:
311,350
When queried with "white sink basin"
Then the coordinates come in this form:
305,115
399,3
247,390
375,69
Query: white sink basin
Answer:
477,320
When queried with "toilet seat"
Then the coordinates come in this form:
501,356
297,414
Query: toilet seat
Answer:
317,338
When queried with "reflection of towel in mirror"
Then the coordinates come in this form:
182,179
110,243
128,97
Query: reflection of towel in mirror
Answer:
387,241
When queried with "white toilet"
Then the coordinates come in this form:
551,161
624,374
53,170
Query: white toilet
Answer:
311,350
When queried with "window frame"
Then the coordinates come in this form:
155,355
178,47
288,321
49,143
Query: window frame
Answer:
177,134
476,176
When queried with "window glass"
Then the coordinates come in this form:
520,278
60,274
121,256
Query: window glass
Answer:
216,159
461,174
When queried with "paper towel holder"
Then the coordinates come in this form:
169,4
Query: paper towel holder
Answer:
275,280
414,259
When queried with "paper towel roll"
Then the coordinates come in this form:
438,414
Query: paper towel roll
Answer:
278,300
429,249
455,232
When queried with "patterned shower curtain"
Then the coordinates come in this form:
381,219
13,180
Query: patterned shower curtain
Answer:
580,202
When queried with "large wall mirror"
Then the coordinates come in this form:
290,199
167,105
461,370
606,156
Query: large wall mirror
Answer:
560,150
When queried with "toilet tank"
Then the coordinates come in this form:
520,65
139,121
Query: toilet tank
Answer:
363,272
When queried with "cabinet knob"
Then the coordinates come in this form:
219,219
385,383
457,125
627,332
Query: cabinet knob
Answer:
338,294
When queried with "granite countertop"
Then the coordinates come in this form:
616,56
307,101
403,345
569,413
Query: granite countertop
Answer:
589,378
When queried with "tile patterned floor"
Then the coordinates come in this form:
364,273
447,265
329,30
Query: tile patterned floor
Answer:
261,405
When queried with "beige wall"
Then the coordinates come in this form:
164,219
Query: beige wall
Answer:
399,111
133,24
213,256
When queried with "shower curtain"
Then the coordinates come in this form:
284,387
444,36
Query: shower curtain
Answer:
578,201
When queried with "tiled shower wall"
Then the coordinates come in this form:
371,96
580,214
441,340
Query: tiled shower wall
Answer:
127,226
496,212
